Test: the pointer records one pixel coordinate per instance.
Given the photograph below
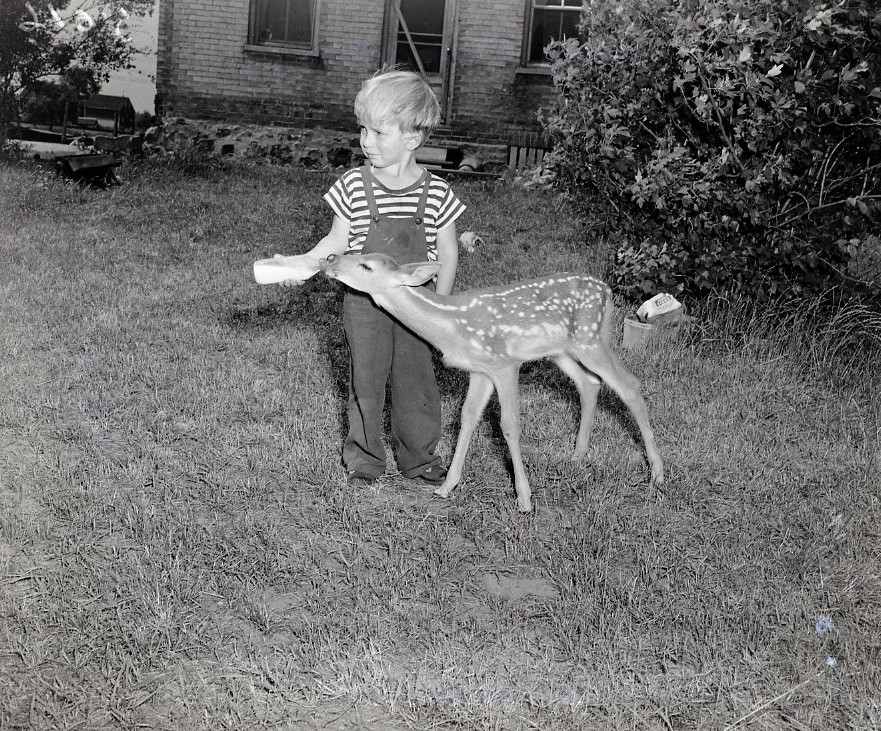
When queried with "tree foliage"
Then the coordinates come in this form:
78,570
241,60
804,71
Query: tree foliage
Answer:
39,42
50,102
738,143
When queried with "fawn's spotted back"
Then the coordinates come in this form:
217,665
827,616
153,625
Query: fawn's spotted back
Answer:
508,320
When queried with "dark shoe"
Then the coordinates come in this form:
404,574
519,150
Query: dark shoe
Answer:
433,474
359,478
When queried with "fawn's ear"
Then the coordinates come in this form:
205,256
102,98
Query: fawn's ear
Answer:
415,274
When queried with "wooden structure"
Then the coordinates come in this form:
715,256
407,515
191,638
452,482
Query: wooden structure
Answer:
106,112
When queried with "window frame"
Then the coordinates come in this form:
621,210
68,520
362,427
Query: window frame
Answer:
443,81
291,48
530,6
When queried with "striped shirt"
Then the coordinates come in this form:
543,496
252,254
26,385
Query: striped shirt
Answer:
346,199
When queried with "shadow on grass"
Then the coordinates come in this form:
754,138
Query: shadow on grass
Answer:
545,375
316,303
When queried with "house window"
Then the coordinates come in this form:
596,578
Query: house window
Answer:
284,23
549,20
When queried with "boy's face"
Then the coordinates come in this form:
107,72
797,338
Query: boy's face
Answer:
385,144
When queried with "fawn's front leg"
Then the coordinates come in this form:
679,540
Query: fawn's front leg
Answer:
480,388
507,386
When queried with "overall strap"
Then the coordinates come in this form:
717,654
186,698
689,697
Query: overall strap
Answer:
423,199
368,192
367,178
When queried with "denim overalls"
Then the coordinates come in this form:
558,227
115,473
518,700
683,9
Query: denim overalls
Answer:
382,351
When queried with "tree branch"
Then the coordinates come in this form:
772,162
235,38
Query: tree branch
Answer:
825,206
718,113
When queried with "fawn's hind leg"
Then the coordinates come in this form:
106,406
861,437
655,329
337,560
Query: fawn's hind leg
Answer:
588,387
605,364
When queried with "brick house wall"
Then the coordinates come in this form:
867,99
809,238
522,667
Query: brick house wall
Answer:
493,94
205,70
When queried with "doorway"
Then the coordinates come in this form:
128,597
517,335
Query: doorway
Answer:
420,36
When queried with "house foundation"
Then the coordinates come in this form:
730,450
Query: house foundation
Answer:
312,147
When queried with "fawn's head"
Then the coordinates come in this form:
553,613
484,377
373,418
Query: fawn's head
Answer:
375,273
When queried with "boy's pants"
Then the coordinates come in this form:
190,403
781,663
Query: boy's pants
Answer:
381,349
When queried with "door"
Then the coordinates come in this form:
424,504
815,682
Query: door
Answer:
420,36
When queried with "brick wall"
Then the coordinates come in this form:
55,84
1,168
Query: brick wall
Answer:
204,69
490,91
164,58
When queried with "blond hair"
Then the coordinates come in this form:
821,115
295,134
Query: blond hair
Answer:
400,97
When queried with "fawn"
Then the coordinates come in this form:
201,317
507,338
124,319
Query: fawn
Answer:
491,332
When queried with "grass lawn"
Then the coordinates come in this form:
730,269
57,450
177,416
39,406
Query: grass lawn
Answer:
179,550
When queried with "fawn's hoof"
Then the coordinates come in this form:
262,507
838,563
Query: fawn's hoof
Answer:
524,506
444,490
657,478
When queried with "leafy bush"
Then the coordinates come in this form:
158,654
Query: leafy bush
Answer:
737,145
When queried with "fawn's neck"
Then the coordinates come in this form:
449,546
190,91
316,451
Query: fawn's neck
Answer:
424,312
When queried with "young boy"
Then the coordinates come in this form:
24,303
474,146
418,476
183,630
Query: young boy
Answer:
392,205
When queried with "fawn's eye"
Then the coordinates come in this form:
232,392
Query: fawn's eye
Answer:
365,266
